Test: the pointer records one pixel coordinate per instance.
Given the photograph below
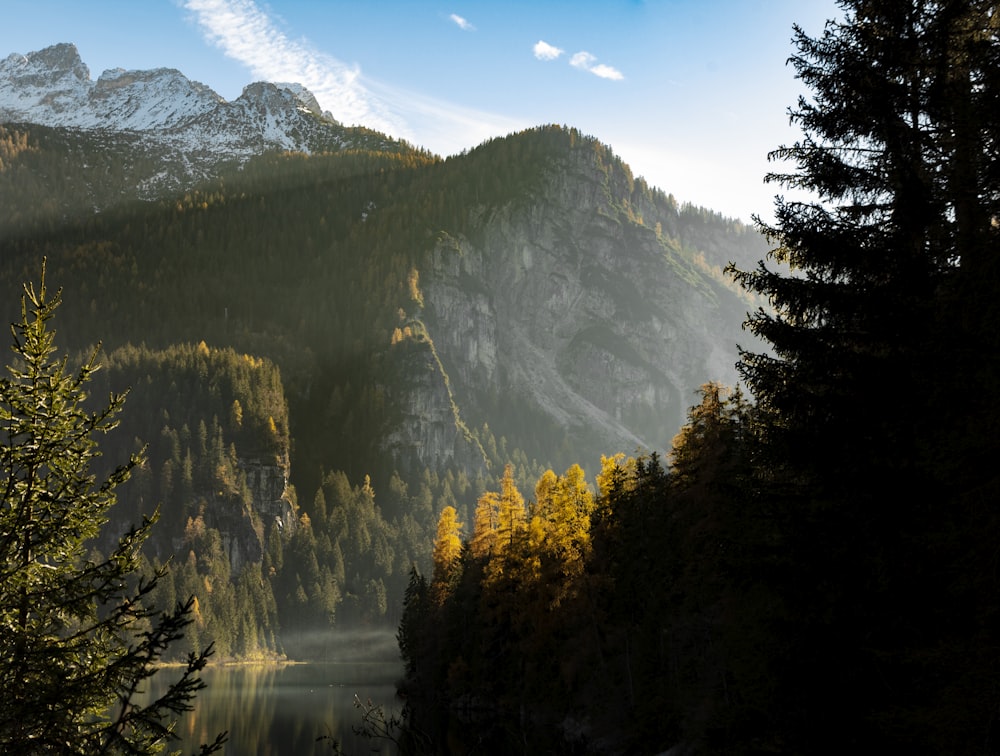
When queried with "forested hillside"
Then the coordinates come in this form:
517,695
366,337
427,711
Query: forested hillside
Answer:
358,373
815,570
314,262
214,426
348,324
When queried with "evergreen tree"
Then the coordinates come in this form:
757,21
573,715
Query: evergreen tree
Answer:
415,636
860,454
76,641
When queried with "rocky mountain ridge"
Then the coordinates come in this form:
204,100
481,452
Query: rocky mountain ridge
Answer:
190,128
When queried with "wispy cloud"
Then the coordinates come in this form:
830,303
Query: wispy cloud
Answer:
544,51
461,23
246,33
444,127
587,62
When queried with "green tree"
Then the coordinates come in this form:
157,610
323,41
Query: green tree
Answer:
77,641
414,636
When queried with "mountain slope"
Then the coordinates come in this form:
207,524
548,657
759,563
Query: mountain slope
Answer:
528,302
189,129
548,287
576,300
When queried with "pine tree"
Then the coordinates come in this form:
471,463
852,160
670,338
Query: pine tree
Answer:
858,401
848,327
414,639
77,642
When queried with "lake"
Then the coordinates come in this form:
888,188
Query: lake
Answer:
273,710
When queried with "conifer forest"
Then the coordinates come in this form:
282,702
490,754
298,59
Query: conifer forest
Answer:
321,420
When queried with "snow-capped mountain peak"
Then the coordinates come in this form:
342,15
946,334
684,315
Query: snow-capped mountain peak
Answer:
148,100
190,125
54,81
53,87
306,98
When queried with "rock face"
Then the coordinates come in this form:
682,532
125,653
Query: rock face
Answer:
243,528
242,538
268,484
429,433
573,304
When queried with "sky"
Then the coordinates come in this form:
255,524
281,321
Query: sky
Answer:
692,94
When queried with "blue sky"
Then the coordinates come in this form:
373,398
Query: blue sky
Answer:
691,93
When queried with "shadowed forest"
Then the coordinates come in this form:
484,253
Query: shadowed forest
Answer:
813,568
809,566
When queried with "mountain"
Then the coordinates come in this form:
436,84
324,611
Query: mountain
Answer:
578,284
425,321
189,128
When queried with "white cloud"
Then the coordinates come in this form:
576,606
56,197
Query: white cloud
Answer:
582,60
246,33
607,72
587,62
461,23
545,51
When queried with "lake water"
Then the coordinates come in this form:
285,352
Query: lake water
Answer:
282,710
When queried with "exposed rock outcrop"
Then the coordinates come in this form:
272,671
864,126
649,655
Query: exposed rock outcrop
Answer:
268,484
429,432
589,312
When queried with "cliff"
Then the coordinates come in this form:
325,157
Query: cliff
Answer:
575,306
243,526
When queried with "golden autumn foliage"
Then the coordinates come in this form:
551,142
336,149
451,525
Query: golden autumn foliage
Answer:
447,550
484,526
560,527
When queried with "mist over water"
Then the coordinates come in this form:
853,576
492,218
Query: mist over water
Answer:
279,709
361,645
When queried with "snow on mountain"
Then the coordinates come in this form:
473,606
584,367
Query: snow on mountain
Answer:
52,82
187,122
53,87
148,100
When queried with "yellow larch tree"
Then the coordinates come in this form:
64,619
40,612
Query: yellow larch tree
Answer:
447,550
484,525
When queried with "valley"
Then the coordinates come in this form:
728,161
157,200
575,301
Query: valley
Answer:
418,324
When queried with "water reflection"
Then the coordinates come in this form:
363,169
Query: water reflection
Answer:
272,710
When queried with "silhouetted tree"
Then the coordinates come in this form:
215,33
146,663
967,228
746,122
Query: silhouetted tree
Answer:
866,380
